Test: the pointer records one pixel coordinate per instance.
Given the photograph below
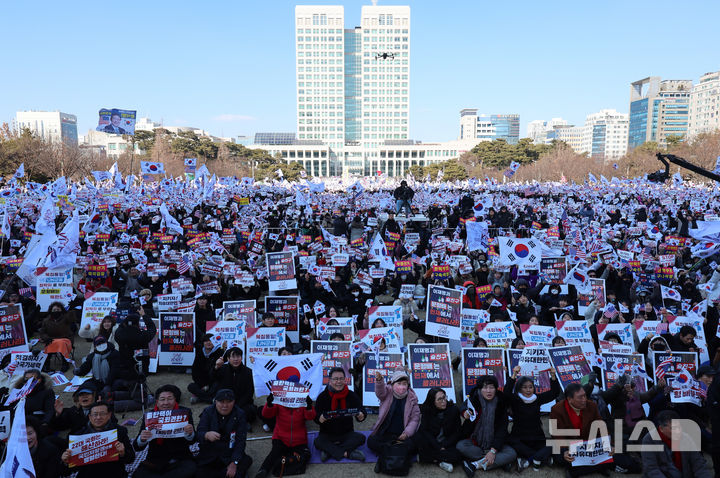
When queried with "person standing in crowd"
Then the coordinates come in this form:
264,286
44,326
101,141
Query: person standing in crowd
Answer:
335,408
403,194
222,434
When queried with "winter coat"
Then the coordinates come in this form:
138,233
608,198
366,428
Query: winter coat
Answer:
659,464
93,332
232,430
500,422
40,403
431,424
341,425
289,423
164,450
526,416
239,380
108,469
411,414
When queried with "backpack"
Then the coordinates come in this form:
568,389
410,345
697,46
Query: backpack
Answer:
395,459
292,464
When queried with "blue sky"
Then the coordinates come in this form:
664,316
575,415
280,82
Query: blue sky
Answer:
228,66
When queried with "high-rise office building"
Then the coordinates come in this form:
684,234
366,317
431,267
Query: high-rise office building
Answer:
544,132
489,127
52,126
658,109
705,105
605,134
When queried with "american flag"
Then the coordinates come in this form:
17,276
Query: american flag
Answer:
184,265
26,292
565,220
662,368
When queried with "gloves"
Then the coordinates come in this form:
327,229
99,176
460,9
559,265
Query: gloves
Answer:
309,402
270,399
623,380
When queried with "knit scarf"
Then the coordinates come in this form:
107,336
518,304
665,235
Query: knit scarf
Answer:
338,398
485,428
400,396
100,366
529,399
676,455
575,419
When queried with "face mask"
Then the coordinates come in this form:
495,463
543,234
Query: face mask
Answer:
101,348
554,292
596,390
403,277
356,294
155,255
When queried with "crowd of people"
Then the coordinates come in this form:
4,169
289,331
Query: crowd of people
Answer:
653,248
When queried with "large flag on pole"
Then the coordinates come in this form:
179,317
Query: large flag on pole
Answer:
18,462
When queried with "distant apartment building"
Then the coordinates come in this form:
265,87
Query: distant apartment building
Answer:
52,126
570,135
489,127
658,109
605,135
705,105
544,132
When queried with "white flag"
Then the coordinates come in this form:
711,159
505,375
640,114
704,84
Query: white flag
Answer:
303,369
18,462
149,167
20,173
579,278
67,245
171,223
477,235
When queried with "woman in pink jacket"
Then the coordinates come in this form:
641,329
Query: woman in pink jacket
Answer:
399,413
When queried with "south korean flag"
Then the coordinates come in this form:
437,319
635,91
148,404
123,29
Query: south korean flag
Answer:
520,252
303,369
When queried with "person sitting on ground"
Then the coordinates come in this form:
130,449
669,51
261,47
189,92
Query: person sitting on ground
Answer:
45,456
166,457
398,415
106,328
335,408
222,433
41,400
439,431
485,445
671,462
100,421
289,439
206,354
75,418
234,375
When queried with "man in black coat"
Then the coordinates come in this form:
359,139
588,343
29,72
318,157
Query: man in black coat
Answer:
75,418
100,414
205,357
235,376
403,194
167,457
130,338
335,408
222,433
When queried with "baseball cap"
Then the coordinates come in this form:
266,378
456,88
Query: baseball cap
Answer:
224,394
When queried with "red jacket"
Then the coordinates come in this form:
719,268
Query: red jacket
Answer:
290,423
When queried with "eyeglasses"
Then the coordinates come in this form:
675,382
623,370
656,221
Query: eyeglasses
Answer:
99,414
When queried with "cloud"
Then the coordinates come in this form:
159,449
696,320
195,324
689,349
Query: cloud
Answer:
232,117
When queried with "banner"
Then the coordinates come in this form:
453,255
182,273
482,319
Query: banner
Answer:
534,335
54,285
13,337
591,452
335,354
390,314
430,366
577,332
281,271
92,448
443,312
533,361
286,310
649,328
570,364
177,336
553,270
469,318
289,394
240,310
324,331
96,307
227,334
497,334
615,363
480,362
387,365
669,363
168,302
696,323
116,121
624,331
302,369
264,341
369,337
22,361
166,423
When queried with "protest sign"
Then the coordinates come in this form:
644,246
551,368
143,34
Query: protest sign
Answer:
469,318
668,363
693,392
54,285
577,332
116,121
624,331
442,317
4,425
430,366
177,336
324,331
13,337
553,269
240,310
533,361
480,362
591,452
166,423
22,361
227,334
286,310
648,328
92,448
696,323
264,341
289,394
496,334
369,337
168,302
335,354
281,271
96,307
541,378
387,365
569,363
617,363
598,292
534,335
182,286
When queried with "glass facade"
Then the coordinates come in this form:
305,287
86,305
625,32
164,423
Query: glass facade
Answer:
598,140
637,131
353,82
506,127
